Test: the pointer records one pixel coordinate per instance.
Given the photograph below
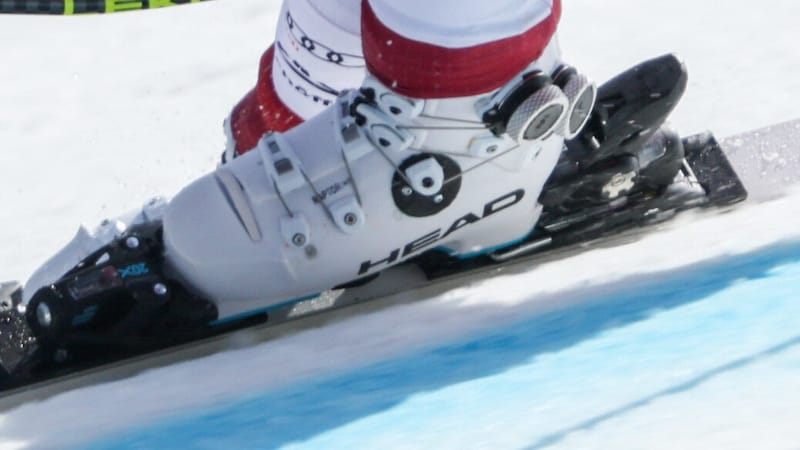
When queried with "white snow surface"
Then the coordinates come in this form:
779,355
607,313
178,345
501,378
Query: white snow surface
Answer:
99,113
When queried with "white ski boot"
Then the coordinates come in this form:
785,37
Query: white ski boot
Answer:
373,181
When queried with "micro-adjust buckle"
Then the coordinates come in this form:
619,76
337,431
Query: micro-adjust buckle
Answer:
281,164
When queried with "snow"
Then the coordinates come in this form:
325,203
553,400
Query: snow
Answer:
100,113
300,360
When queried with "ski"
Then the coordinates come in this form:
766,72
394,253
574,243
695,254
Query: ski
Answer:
77,7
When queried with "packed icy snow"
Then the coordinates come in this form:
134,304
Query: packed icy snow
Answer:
100,113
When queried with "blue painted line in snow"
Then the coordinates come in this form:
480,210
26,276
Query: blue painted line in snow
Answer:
313,413
556,437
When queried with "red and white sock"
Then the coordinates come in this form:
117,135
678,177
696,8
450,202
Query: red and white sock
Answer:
419,48
316,54
454,48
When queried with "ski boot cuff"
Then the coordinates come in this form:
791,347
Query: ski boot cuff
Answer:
259,112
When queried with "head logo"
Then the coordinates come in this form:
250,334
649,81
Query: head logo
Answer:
489,209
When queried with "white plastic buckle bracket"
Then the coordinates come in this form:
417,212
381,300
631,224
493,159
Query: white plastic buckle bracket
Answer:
348,214
280,163
355,144
296,231
382,130
490,146
426,177
396,106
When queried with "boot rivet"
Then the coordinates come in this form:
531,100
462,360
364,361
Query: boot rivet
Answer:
299,239
311,252
160,289
132,242
350,219
43,315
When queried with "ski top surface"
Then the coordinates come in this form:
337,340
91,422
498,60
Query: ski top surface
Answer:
765,160
76,7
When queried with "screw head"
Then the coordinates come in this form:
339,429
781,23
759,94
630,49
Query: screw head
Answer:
350,219
160,289
311,251
132,242
407,191
299,239
439,198
43,315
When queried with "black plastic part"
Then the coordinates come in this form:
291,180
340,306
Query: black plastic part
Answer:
117,302
713,170
415,204
587,190
629,109
655,174
118,297
705,159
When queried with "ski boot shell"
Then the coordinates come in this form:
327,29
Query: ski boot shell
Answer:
371,182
